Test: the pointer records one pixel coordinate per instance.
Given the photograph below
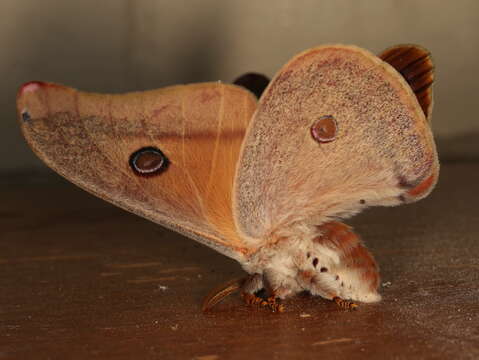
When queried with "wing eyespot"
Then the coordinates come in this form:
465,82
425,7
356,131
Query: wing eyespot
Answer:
148,161
324,129
26,117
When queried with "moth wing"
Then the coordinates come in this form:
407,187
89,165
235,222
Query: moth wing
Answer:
415,64
254,82
383,152
90,139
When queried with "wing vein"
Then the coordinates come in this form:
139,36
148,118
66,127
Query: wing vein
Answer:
219,127
184,167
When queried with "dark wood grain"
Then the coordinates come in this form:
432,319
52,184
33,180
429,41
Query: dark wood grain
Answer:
82,279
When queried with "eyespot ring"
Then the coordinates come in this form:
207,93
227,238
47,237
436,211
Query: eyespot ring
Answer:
148,161
324,129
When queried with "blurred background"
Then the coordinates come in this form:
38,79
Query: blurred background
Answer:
124,45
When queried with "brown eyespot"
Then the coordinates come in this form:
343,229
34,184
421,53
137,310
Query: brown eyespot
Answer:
324,129
148,161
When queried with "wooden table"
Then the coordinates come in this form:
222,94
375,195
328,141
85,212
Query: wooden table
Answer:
82,279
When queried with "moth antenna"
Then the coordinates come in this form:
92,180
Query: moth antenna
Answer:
219,293
415,64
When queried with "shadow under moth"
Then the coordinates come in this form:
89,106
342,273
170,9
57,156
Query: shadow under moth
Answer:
264,181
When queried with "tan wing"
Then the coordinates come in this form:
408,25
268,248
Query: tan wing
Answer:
415,64
336,130
192,133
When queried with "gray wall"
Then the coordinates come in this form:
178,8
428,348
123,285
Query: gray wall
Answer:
121,45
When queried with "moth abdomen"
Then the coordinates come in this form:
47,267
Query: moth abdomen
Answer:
356,268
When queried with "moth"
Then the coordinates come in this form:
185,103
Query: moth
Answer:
264,181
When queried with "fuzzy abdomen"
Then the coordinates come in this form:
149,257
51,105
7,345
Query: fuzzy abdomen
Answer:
356,273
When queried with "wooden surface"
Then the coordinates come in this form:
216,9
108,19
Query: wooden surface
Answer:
82,279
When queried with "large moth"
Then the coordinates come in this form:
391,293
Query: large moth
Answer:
265,182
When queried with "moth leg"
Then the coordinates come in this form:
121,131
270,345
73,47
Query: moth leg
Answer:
345,304
251,286
279,287
252,299
254,284
274,304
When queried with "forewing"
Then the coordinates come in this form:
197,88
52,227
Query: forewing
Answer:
90,139
379,149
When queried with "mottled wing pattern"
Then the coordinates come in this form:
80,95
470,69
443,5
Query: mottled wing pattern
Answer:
382,152
89,139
